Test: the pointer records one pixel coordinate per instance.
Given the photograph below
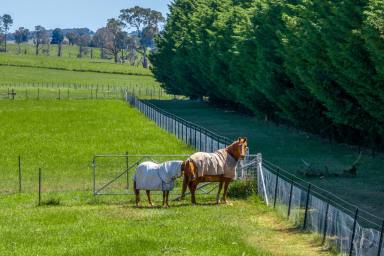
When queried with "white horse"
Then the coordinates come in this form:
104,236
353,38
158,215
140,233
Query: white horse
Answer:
157,177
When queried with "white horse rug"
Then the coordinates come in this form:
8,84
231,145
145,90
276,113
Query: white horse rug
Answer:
158,177
217,163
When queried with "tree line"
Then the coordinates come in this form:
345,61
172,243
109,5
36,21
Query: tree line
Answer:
122,46
317,65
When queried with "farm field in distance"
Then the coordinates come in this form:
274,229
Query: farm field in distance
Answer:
71,64
14,76
287,148
61,137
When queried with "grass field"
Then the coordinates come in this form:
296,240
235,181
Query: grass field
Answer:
68,51
88,226
287,148
61,137
70,64
26,75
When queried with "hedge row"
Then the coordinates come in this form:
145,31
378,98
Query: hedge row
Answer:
314,64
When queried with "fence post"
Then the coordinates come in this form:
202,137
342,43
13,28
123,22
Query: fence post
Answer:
19,174
290,199
39,186
276,184
381,239
325,224
353,232
59,94
126,167
94,175
306,207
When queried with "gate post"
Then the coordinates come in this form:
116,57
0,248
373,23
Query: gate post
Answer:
126,167
94,175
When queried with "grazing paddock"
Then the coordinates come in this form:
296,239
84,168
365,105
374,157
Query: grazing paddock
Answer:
31,75
61,137
85,225
287,147
70,64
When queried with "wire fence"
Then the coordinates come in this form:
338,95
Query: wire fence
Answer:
341,225
56,90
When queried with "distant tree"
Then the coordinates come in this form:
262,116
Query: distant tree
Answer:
83,42
7,23
114,27
132,43
101,39
146,22
21,36
41,37
72,37
58,38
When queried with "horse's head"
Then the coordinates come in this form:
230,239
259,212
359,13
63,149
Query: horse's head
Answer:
239,148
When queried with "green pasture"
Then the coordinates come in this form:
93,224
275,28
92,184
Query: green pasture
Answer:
85,225
24,76
61,137
67,51
71,64
287,148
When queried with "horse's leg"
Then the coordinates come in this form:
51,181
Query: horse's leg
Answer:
149,197
187,173
184,188
192,188
218,192
164,193
166,198
226,184
137,194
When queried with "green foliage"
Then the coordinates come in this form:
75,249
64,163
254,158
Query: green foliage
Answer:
242,189
315,64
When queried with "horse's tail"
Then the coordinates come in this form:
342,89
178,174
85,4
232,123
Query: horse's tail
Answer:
186,169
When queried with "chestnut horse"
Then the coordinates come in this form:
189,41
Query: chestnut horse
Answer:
236,151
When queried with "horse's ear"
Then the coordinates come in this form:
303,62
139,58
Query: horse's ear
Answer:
239,139
245,139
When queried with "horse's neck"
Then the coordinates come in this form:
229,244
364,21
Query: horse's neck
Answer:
229,150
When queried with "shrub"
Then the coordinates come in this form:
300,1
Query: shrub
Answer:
242,189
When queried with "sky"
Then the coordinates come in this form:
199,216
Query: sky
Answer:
51,14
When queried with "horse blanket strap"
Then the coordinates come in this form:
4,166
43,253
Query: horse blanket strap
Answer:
158,177
217,163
